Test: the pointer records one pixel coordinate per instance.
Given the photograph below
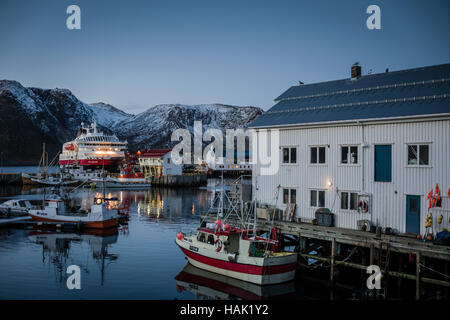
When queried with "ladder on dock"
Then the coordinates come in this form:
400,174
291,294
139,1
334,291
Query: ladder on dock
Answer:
383,262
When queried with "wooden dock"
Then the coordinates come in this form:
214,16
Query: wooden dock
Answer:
397,243
10,178
375,250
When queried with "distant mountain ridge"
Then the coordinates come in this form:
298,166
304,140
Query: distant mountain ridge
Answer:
31,116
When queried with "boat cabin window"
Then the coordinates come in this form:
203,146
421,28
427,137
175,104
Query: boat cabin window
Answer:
22,203
257,249
210,239
201,237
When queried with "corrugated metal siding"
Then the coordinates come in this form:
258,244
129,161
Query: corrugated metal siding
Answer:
389,198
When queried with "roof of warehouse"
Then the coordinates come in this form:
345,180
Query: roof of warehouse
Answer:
405,93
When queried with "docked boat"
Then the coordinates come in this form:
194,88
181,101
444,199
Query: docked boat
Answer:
55,181
238,252
15,207
43,177
127,179
56,209
117,183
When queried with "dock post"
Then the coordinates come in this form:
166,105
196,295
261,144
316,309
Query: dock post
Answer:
371,254
333,249
417,276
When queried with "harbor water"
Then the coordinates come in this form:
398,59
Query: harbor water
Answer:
138,260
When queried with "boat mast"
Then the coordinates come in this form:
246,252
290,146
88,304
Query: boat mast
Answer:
42,160
254,210
220,211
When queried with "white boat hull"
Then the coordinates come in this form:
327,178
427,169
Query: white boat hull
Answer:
258,270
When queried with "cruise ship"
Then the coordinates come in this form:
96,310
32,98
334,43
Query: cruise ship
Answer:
91,150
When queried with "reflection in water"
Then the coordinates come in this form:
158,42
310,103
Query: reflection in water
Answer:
56,247
207,285
138,260
170,203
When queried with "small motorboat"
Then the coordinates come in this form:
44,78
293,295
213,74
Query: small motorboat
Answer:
99,216
15,207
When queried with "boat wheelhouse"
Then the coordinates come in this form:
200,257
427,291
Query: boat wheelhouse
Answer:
15,207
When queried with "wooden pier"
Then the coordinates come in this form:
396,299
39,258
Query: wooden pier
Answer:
307,238
185,180
10,178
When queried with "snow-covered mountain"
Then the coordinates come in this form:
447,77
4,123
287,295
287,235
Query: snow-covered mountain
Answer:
108,116
31,116
154,127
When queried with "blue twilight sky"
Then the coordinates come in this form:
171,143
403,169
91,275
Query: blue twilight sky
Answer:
135,54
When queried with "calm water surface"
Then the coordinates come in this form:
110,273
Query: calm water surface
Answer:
136,261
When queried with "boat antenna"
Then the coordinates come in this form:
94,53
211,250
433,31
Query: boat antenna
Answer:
220,211
254,207
270,234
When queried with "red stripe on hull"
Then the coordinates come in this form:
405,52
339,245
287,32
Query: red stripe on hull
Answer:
89,162
239,267
111,223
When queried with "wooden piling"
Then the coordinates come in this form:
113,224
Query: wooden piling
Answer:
333,248
417,276
371,254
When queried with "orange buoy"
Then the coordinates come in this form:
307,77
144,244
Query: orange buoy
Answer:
180,236
437,189
419,237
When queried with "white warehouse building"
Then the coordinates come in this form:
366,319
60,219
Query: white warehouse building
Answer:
368,147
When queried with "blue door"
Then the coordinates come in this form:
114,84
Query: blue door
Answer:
413,214
383,163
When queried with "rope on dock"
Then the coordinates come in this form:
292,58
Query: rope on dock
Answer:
327,265
444,275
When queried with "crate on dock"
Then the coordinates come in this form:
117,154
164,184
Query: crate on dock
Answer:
324,217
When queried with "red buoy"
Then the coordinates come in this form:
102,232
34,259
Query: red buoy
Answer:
180,236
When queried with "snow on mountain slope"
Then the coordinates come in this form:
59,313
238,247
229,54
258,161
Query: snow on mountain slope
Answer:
31,116
107,115
154,127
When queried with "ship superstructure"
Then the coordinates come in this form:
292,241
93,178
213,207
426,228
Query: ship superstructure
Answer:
92,149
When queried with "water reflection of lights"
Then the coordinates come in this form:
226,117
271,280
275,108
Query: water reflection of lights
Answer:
153,207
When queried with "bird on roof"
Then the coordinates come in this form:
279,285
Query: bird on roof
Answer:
356,63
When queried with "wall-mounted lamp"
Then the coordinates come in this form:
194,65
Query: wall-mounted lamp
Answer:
329,183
